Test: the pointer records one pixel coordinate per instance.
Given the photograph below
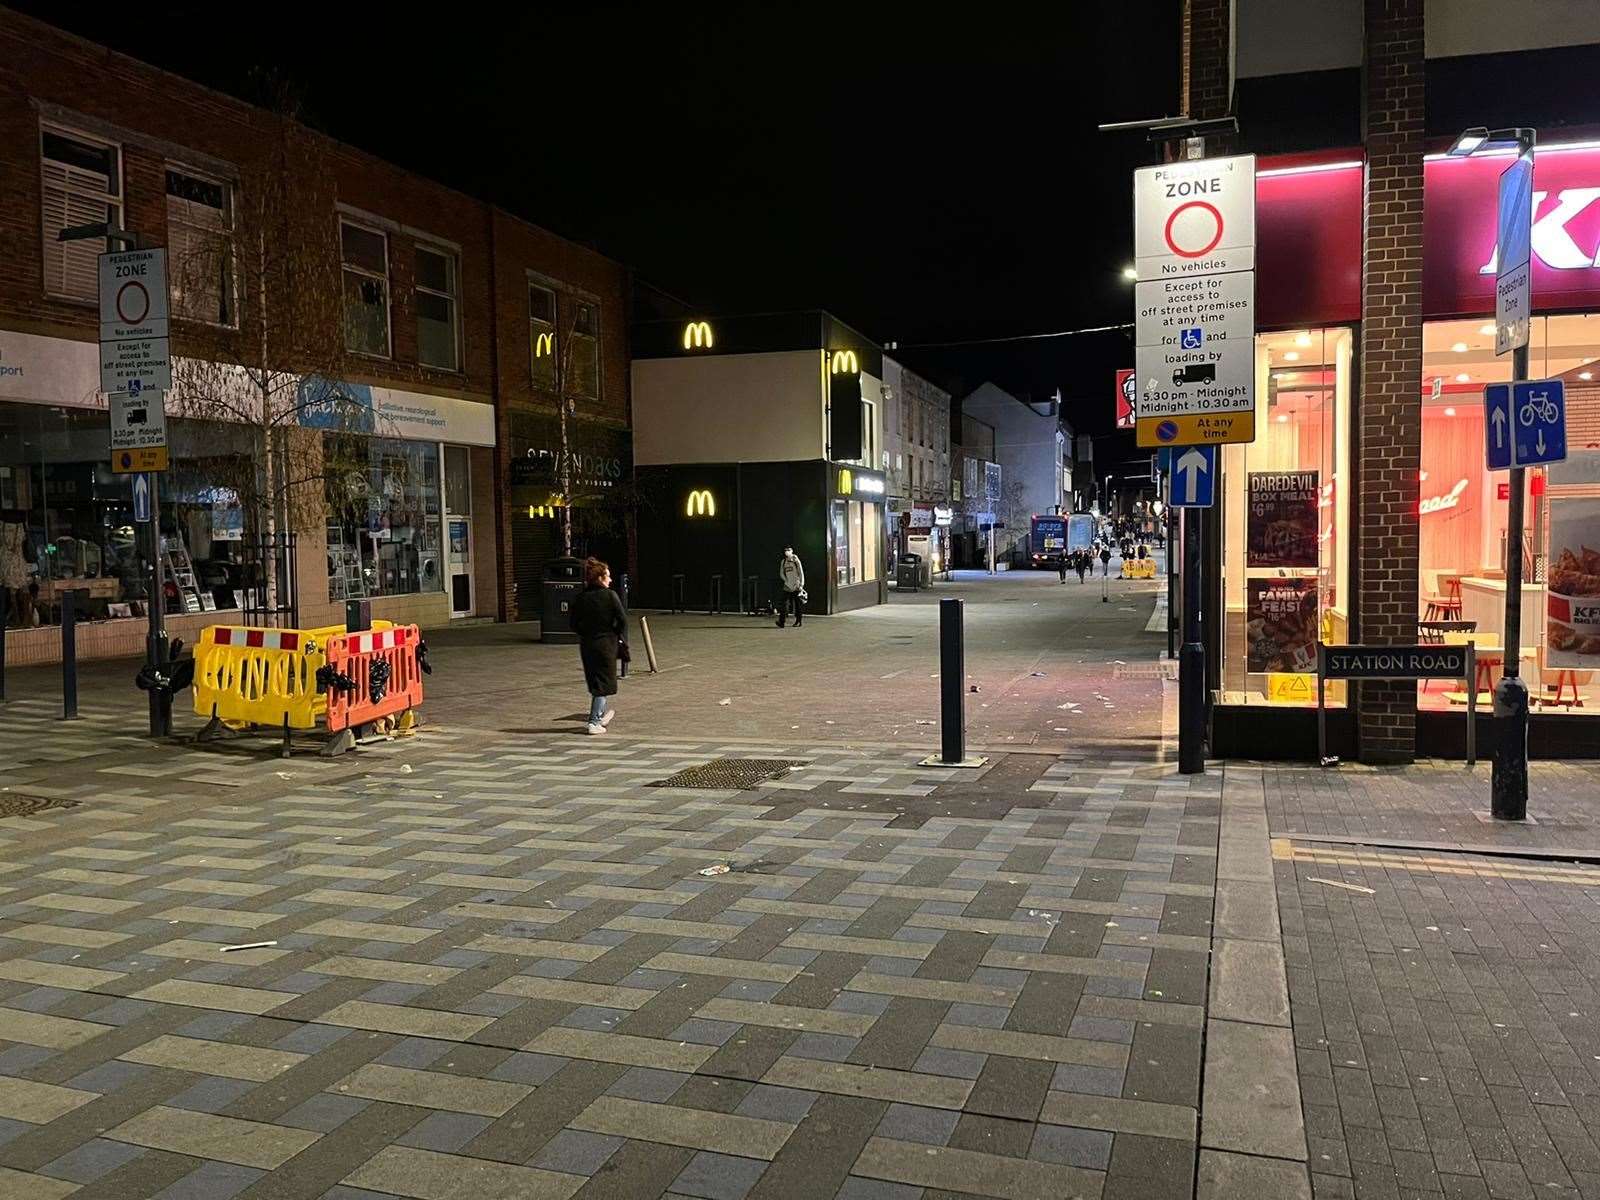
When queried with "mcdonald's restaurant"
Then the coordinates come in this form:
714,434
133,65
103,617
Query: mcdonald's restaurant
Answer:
751,434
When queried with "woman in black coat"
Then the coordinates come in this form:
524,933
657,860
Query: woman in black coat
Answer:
597,618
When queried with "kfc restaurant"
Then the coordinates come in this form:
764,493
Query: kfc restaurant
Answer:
1288,548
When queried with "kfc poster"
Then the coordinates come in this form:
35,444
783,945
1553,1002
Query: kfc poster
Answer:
1282,528
1572,631
1126,392
1281,625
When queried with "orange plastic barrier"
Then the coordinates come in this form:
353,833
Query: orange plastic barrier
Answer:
372,675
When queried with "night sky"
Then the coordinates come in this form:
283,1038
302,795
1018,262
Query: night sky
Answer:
925,175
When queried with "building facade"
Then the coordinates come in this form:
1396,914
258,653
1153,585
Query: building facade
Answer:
356,357
1364,512
916,463
752,434
1031,446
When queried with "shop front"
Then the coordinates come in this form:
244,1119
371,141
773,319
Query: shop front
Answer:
395,482
1291,553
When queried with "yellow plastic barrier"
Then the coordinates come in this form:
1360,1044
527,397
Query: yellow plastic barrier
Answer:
1139,568
250,676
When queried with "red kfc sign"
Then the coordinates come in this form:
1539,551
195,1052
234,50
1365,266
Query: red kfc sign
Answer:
1126,390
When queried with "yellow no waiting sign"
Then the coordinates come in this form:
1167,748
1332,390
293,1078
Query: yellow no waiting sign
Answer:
1197,429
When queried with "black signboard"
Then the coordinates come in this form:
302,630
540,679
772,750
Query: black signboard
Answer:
1282,528
1394,662
845,413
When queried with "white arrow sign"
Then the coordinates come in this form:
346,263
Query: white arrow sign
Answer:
1499,427
1191,465
141,497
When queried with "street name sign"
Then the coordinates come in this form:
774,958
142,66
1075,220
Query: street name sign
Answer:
138,432
1513,285
134,348
1540,431
1394,662
1194,477
1194,302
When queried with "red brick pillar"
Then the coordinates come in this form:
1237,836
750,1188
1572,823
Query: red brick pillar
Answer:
1388,408
1204,80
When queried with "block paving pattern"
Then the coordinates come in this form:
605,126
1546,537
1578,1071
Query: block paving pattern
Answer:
488,972
1447,1027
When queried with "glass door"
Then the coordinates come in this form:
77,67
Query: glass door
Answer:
458,529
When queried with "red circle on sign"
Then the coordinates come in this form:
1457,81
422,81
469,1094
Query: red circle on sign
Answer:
138,298
1209,246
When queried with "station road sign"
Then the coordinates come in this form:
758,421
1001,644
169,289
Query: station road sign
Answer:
1513,285
138,431
134,347
1194,249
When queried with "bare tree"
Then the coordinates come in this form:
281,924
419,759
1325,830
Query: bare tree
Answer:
257,269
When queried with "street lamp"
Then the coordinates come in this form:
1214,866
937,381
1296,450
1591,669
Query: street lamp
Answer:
1508,788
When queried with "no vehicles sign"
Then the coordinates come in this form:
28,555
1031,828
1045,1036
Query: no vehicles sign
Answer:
133,322
1193,217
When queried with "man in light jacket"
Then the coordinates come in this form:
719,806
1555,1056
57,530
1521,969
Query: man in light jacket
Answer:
792,577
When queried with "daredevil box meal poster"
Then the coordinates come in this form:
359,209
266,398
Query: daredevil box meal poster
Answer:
1283,519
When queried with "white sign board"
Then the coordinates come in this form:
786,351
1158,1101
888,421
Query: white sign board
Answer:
1513,287
1195,216
138,431
134,353
1194,245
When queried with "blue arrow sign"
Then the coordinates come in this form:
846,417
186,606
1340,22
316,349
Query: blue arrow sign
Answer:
141,497
1194,476
1540,431
1497,426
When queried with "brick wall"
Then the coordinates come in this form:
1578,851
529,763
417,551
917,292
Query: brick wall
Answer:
1388,413
1204,63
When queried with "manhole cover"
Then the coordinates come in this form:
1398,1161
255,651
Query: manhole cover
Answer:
736,774
26,806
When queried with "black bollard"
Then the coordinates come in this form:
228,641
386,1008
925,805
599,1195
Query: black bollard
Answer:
3,622
621,587
69,655
952,682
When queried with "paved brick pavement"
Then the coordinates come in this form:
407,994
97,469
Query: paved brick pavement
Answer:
496,971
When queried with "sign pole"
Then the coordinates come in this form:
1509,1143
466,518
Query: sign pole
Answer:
156,638
1192,658
1508,785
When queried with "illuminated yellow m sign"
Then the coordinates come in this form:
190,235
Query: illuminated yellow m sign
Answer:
846,483
701,504
544,346
844,362
697,335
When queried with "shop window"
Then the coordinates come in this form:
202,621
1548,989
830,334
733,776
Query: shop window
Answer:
1463,542
384,518
436,297
66,522
200,247
366,289
82,185
542,336
585,351
857,532
1286,521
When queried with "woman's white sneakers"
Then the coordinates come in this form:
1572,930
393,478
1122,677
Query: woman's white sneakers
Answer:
594,727
605,717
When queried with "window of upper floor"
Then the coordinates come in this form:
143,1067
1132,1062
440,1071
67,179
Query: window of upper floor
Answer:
437,295
585,350
81,179
365,259
542,336
200,247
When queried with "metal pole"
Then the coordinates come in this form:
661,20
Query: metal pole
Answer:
1192,658
1508,786
4,621
952,682
1172,579
155,607
69,655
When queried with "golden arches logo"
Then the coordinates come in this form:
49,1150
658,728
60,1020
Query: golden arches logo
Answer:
697,335
701,503
844,362
544,346
846,482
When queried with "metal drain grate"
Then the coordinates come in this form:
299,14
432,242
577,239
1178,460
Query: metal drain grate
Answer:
1161,668
731,774
26,806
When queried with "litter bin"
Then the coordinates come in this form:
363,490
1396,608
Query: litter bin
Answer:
563,580
908,575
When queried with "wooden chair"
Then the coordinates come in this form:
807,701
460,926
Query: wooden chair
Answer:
1446,604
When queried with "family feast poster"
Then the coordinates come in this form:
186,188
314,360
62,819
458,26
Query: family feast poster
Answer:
1281,625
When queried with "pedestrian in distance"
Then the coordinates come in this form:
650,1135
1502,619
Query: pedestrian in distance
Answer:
1082,563
1061,567
1105,560
792,585
597,618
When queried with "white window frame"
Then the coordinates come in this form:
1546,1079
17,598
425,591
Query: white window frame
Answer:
230,188
113,197
386,277
454,260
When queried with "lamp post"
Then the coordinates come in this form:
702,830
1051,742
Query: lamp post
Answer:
1508,787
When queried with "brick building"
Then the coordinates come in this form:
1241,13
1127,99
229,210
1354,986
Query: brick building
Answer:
1375,338
916,462
369,356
